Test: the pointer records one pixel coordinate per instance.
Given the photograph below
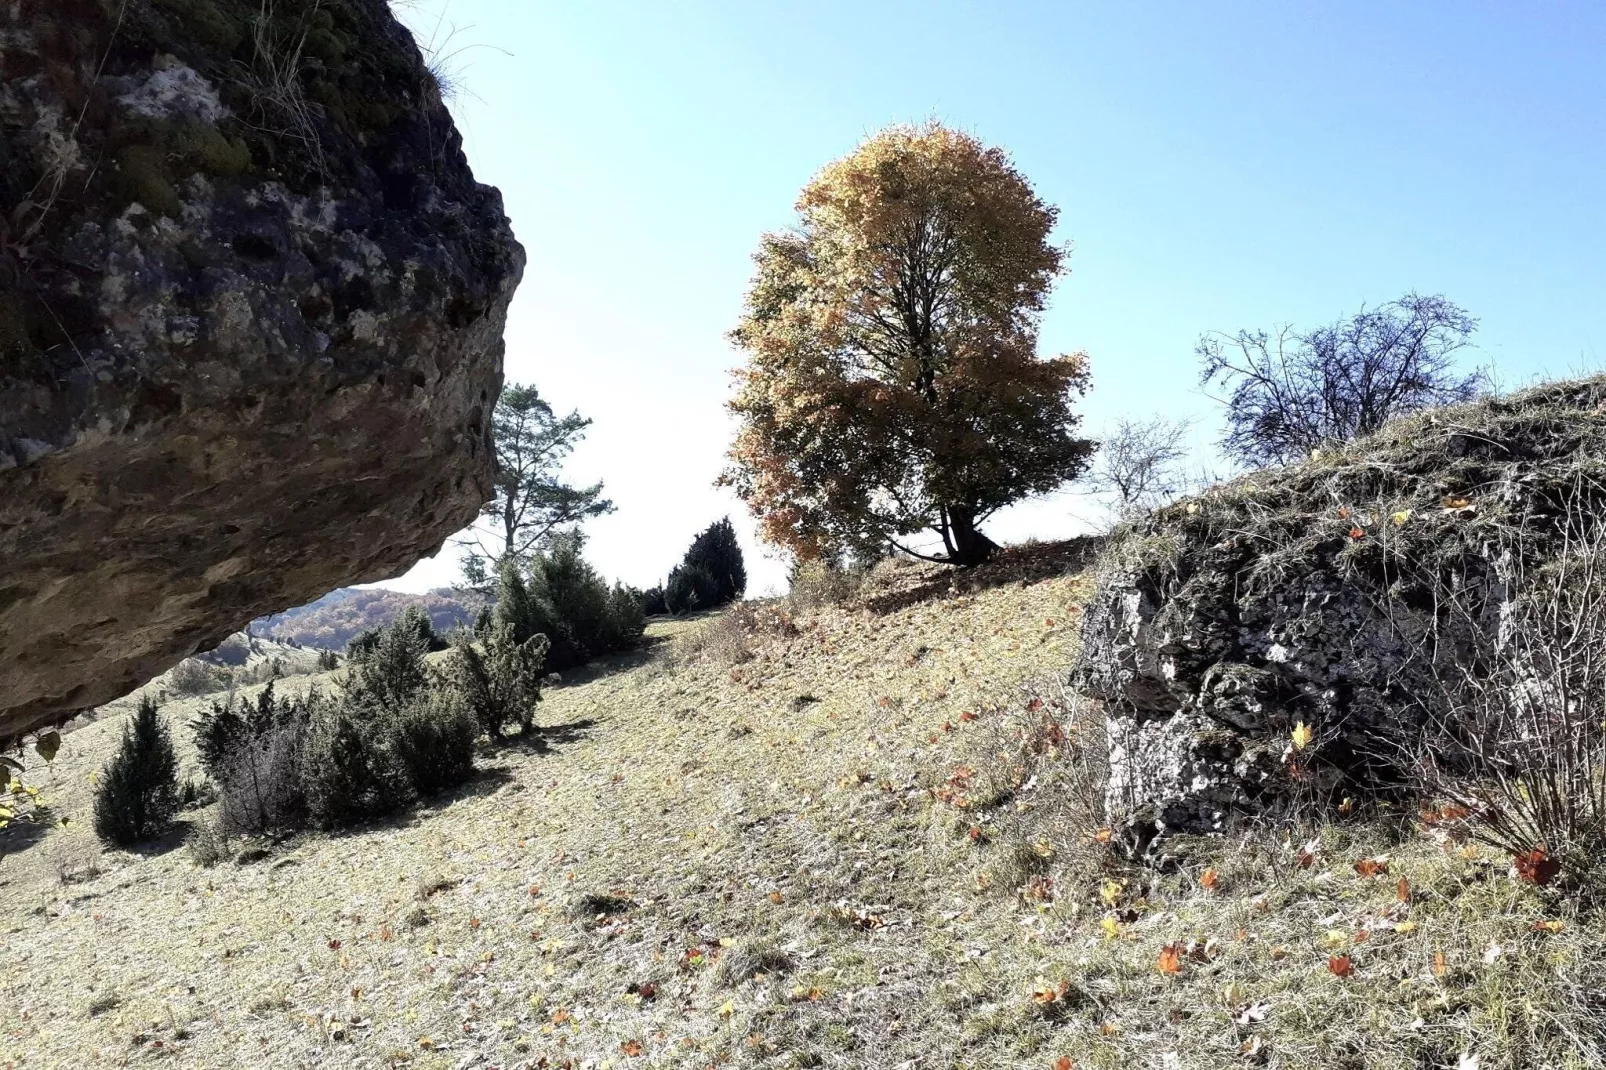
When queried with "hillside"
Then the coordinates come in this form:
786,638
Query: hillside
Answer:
331,621
861,836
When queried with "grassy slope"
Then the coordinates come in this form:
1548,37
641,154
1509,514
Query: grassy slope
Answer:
778,815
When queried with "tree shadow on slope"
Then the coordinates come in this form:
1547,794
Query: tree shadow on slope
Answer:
1025,564
549,739
611,664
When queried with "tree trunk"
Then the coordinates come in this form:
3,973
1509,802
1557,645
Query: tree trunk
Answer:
971,547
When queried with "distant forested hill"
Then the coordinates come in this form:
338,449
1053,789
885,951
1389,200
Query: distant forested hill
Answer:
332,620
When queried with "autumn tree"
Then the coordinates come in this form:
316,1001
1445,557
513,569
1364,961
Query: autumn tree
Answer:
531,499
1289,392
892,383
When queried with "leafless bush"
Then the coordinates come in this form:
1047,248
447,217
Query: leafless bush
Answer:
1516,741
261,787
196,676
819,583
1140,463
729,638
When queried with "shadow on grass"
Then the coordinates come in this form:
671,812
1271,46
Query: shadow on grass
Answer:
1026,564
549,739
21,836
650,647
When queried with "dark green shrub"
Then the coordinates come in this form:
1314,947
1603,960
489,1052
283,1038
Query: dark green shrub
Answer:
711,574
328,661
563,598
498,678
626,620
433,738
363,643
718,553
391,670
689,588
349,770
138,793
652,602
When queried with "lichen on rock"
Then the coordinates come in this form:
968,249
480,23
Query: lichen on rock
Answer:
251,313
1338,593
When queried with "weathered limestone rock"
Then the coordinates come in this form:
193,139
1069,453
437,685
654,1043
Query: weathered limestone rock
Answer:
251,312
1340,593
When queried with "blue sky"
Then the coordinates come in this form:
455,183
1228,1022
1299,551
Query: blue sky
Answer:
1216,166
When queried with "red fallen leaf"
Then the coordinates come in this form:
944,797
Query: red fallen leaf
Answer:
334,945
967,716
632,1048
1402,890
1340,965
976,834
1363,936
1034,705
1371,867
1357,533
1062,1063
1536,867
1170,960
1343,512
1306,859
1208,880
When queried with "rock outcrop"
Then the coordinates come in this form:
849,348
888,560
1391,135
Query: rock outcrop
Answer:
251,313
1339,594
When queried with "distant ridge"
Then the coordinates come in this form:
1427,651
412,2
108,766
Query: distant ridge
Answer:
331,621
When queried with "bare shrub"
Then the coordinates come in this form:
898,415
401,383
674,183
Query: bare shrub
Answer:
730,638
822,583
1516,741
1139,463
197,676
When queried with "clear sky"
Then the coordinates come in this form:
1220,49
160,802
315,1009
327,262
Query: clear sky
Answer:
1216,166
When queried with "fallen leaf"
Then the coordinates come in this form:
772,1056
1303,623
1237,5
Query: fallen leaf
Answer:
1208,880
1536,867
1439,965
1302,735
1371,867
1170,960
1402,890
632,1048
1340,965
1062,1063
1548,926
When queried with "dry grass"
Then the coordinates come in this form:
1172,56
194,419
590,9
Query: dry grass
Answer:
772,864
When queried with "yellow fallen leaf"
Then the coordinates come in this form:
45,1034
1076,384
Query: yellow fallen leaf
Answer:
1405,928
728,1009
1302,736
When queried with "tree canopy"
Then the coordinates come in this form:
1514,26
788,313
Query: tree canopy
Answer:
892,382
1290,392
531,499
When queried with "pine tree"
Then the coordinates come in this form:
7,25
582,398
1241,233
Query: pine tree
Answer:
138,792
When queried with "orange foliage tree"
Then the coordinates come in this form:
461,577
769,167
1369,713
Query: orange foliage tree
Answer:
892,382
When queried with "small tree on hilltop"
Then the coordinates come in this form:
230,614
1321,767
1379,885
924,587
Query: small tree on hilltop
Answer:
1139,462
138,791
1292,392
893,383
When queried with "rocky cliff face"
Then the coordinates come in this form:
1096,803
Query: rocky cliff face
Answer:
251,308
1339,594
